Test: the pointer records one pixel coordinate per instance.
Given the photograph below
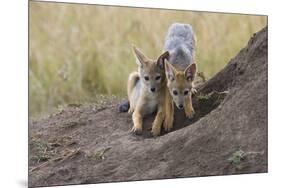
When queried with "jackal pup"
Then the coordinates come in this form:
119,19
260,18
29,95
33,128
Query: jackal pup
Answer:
180,68
145,91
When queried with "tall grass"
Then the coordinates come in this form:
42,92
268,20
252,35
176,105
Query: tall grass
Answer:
78,52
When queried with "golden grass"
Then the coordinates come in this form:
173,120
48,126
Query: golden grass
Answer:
78,52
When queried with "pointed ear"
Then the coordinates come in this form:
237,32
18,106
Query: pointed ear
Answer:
190,72
140,57
169,70
161,59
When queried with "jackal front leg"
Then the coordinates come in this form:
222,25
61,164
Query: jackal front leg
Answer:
169,116
189,111
137,120
157,123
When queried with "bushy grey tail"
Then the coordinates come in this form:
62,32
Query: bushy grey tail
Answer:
124,106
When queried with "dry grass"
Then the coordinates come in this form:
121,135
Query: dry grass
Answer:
78,52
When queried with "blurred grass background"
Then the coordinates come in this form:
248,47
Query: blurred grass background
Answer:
80,52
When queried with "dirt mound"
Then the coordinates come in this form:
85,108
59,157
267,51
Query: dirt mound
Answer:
83,144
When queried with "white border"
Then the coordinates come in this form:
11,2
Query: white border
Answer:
238,6
13,83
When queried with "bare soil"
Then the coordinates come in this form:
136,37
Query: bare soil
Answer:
228,135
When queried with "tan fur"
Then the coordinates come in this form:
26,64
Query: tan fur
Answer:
188,108
169,111
132,81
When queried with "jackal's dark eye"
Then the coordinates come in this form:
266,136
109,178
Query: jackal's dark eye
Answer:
185,92
146,78
157,77
175,92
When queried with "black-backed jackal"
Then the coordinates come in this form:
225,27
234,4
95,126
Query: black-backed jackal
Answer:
180,70
146,91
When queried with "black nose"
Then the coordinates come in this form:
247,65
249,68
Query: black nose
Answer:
152,89
180,106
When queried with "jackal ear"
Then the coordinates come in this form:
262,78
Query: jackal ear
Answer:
190,72
161,59
140,57
169,70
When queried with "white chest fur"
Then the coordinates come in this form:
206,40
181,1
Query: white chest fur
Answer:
150,103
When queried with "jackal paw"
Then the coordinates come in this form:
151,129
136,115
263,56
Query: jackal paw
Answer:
156,130
136,130
168,125
190,113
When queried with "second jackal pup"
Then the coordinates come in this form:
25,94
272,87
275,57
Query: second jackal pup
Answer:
145,91
181,67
